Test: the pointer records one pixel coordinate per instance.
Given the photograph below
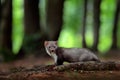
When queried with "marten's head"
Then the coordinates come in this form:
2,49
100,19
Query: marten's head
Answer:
50,47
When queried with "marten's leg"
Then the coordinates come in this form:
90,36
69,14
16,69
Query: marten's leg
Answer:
59,62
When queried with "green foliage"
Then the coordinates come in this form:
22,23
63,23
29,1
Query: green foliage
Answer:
42,13
70,34
118,33
107,17
69,38
17,32
89,24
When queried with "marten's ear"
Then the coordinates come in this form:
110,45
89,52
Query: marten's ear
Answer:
45,43
56,42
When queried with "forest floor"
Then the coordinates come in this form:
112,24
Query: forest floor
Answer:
40,68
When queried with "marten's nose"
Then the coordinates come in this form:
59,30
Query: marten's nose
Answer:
52,50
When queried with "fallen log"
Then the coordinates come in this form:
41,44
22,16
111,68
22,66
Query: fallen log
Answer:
79,66
89,66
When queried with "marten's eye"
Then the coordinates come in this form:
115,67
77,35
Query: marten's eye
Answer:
49,47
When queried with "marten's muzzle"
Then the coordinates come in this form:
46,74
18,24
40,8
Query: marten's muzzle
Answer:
52,51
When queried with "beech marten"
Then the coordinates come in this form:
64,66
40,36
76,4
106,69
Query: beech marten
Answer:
60,54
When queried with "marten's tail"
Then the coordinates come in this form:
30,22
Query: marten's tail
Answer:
96,59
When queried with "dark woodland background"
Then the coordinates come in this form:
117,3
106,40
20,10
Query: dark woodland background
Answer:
26,24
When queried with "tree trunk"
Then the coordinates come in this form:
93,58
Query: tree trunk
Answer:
0,11
54,18
114,36
0,19
31,17
31,25
84,23
6,25
6,30
96,17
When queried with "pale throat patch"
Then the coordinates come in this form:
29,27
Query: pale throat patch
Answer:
48,52
53,55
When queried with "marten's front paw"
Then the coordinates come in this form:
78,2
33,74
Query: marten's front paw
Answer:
55,64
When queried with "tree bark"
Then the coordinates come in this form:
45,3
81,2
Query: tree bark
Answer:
84,24
0,11
31,17
31,27
114,36
54,18
0,20
96,17
6,30
34,37
31,23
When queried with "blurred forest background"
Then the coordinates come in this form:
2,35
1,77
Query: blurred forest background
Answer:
26,24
